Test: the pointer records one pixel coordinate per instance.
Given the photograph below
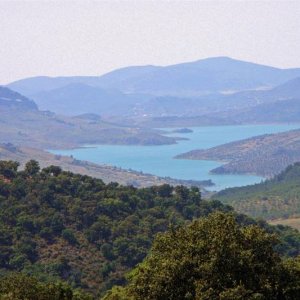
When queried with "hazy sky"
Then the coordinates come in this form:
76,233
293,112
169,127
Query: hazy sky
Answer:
92,37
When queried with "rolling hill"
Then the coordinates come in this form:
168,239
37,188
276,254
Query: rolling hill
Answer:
12,100
78,98
23,124
264,155
278,197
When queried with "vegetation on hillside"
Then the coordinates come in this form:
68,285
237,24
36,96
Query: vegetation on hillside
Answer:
213,258
265,155
278,197
59,225
18,286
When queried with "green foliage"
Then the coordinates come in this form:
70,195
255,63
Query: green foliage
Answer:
69,236
8,169
213,258
60,225
21,287
32,168
57,225
278,197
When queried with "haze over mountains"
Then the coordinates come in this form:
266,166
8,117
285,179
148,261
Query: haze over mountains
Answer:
197,88
23,124
217,74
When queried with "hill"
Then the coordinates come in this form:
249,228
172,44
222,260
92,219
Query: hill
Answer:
12,100
78,98
280,104
23,124
56,224
59,225
278,197
264,155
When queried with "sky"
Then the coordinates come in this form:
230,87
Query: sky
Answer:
63,37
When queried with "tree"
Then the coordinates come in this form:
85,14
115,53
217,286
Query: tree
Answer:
32,168
8,169
69,236
213,258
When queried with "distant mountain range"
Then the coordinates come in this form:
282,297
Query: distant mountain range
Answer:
204,76
217,88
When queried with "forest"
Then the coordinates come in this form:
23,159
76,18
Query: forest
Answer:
277,197
71,236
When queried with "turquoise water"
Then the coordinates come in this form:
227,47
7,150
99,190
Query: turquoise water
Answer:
159,160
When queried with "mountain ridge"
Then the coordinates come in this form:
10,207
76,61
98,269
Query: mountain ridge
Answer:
177,77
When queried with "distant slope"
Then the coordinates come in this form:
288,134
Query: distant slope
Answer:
280,104
34,85
278,197
23,124
264,155
78,98
284,111
196,78
209,75
13,100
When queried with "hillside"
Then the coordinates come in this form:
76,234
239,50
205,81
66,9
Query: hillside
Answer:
106,172
12,100
264,155
278,197
56,224
60,225
23,124
78,98
280,104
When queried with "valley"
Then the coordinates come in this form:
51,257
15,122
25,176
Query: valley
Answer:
149,150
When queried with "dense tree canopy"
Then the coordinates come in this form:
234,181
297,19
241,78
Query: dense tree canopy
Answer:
66,226
213,258
18,286
59,226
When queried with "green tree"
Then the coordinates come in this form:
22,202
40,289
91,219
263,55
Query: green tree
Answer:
8,169
18,286
213,258
32,168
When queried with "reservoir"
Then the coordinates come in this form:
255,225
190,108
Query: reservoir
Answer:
159,160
